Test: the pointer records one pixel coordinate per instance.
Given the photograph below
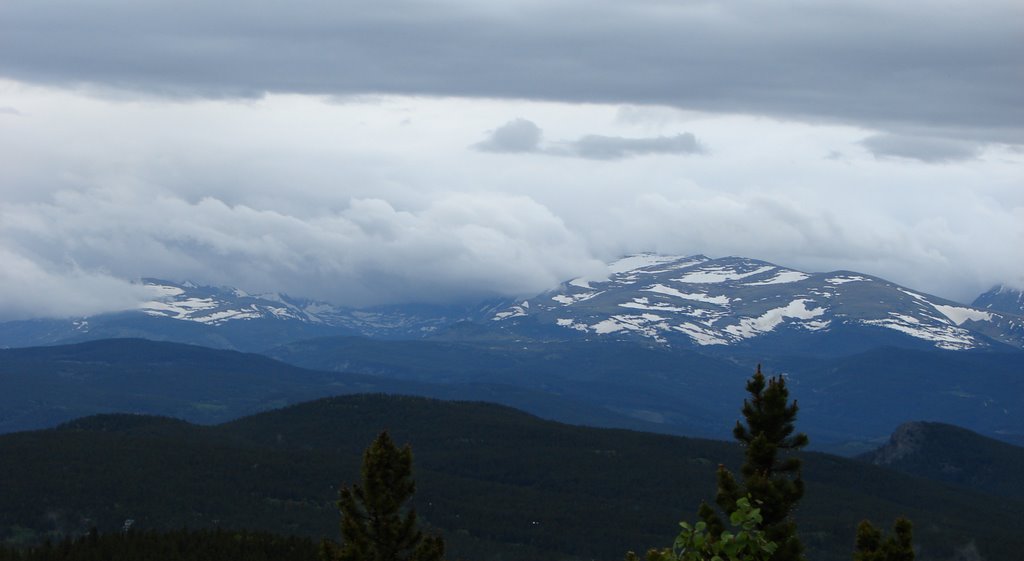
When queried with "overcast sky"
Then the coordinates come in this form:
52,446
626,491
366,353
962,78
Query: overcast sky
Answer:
396,151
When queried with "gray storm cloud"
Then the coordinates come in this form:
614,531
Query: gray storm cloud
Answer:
519,135
924,149
598,147
947,68
523,136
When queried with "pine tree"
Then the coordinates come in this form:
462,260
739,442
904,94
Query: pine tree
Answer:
375,523
897,547
772,482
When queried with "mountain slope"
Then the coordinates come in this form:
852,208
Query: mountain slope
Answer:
954,455
499,483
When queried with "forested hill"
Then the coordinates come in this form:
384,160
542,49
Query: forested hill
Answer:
500,484
955,455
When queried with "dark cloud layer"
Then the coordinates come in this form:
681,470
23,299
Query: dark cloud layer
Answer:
949,68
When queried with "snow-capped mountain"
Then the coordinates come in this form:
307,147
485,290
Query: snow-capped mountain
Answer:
707,302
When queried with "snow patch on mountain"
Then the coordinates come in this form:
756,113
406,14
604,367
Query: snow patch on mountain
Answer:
700,335
751,327
642,303
178,309
227,315
959,315
519,310
846,279
648,325
160,291
669,291
581,283
642,261
715,275
571,323
944,336
782,278
567,299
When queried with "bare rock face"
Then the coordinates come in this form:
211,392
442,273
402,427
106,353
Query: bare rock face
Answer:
905,441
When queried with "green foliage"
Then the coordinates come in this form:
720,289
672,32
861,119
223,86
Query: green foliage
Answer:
696,543
771,477
375,524
870,545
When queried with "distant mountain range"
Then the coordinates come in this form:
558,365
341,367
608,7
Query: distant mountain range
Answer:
729,305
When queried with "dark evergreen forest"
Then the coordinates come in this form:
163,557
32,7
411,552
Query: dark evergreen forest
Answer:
497,483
